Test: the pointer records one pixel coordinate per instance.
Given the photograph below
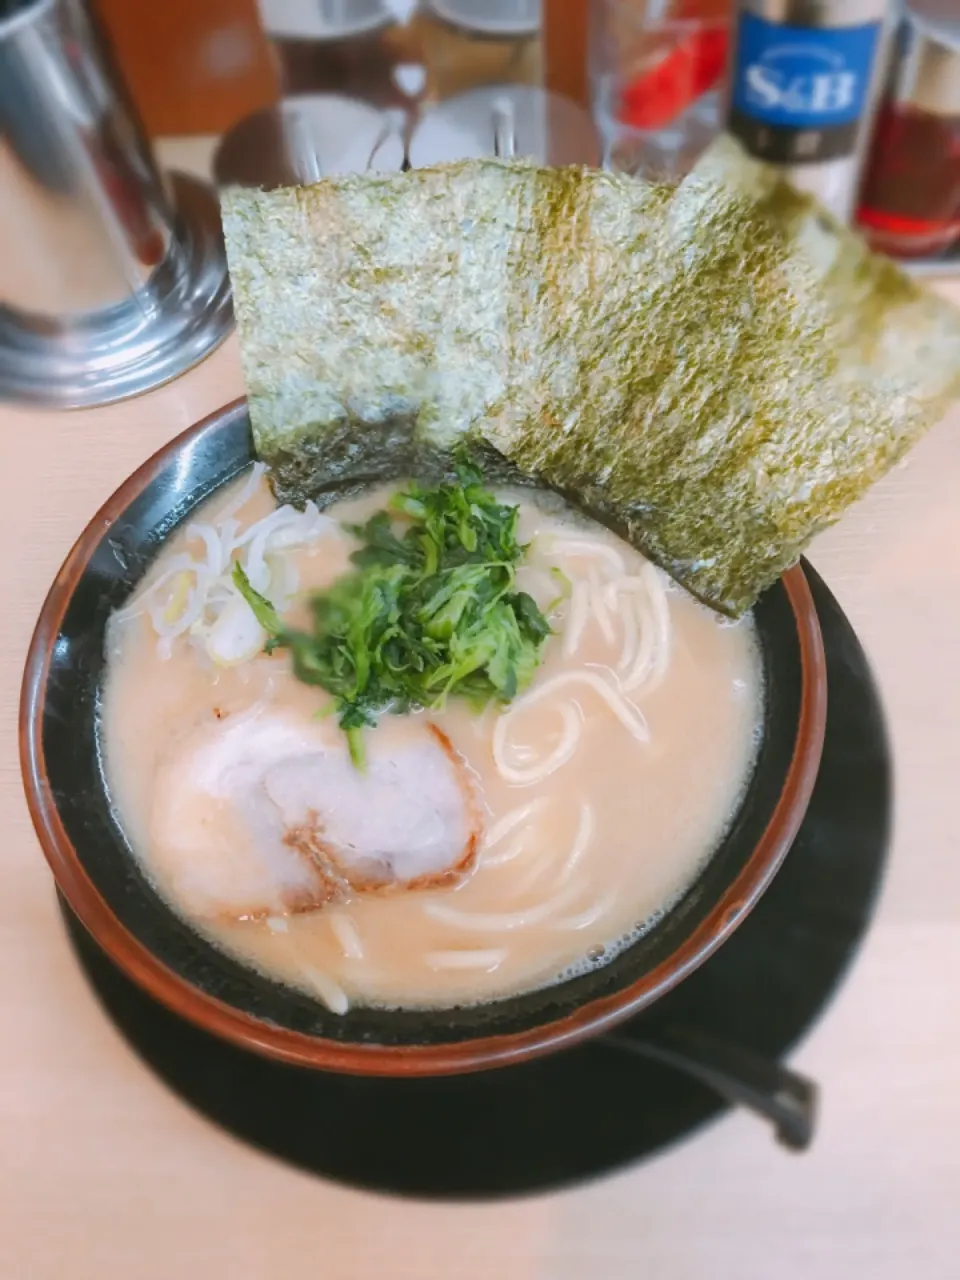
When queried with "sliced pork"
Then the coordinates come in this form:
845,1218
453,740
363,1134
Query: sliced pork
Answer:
261,815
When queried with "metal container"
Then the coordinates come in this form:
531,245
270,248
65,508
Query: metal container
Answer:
804,80
111,280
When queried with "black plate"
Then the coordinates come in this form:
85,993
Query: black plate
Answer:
69,731
592,1109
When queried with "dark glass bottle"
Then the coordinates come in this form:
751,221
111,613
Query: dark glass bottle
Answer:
910,199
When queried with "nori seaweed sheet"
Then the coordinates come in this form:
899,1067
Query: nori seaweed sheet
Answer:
383,317
716,371
774,370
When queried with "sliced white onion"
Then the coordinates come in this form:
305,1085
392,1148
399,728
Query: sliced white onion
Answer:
282,530
311,523
229,529
178,564
250,486
284,580
213,611
236,635
169,628
255,564
217,554
266,524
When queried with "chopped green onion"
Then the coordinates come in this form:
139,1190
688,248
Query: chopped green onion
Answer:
430,611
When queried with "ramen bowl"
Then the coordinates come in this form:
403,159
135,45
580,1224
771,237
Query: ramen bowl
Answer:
112,897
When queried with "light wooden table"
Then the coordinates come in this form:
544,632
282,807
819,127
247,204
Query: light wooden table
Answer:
105,1174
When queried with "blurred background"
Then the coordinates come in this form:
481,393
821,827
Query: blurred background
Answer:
119,280
645,83
199,68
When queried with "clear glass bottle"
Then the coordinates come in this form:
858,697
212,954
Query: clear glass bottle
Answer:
657,72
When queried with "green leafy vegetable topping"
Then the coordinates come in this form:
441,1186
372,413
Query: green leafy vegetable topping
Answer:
263,610
430,611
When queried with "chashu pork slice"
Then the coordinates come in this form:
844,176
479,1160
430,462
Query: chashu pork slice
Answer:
261,815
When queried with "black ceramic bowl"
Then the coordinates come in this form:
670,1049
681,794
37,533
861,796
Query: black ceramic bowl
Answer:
108,892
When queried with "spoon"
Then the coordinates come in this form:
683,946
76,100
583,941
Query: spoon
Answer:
785,1098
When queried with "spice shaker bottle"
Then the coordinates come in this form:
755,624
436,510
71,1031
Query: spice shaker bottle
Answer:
910,201
804,77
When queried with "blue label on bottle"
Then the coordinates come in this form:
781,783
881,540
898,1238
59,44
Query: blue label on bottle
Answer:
803,77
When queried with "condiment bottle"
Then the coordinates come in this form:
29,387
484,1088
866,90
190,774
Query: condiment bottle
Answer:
910,201
804,76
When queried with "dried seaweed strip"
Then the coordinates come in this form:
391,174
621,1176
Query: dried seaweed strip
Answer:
715,370
777,369
377,313
334,305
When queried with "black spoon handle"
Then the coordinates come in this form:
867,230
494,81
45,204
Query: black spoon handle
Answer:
786,1099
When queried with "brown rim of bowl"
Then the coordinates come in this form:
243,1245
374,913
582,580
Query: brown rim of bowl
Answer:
394,1060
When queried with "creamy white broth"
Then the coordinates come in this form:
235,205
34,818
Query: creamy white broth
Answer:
640,782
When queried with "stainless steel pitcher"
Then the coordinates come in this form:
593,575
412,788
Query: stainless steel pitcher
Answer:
112,280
